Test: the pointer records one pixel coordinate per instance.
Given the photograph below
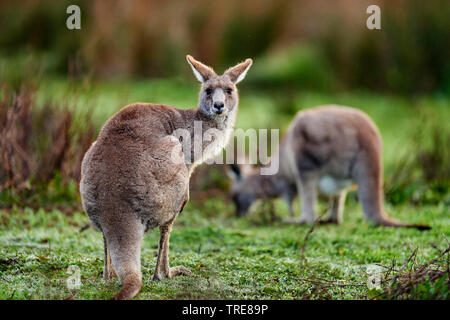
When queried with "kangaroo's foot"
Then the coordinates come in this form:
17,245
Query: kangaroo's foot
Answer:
109,275
163,271
302,220
174,271
329,220
108,269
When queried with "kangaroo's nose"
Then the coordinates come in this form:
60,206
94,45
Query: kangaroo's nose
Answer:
218,107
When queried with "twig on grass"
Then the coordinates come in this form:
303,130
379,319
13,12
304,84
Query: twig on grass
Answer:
305,240
412,256
330,283
404,283
324,284
85,227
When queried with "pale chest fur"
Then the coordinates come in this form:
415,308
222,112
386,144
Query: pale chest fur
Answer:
213,140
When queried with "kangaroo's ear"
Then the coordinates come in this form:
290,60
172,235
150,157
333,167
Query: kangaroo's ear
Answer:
201,71
239,71
234,172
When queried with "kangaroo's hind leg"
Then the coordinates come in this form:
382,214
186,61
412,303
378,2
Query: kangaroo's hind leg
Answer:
108,269
163,270
307,188
289,199
307,185
337,208
124,239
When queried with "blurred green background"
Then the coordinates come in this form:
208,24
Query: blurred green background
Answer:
321,45
58,87
306,53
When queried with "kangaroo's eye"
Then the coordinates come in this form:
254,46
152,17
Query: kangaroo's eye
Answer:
229,90
208,91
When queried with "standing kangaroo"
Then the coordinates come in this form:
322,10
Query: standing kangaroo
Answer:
325,148
130,183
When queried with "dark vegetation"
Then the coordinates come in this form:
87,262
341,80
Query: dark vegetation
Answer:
302,44
413,280
41,149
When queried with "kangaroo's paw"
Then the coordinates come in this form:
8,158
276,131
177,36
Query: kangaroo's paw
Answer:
179,271
174,271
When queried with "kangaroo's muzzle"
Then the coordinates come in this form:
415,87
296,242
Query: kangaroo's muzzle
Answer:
218,107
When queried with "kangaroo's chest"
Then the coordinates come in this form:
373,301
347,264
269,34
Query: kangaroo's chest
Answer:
209,143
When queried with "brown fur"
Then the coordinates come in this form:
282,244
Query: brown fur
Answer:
328,147
130,184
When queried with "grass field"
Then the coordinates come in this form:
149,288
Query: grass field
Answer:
232,258
229,258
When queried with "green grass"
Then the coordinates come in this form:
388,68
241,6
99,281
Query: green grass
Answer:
229,258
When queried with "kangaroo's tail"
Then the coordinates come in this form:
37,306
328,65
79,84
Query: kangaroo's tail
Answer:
389,222
124,244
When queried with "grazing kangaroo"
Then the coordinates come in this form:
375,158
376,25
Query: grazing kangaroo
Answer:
326,148
130,183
